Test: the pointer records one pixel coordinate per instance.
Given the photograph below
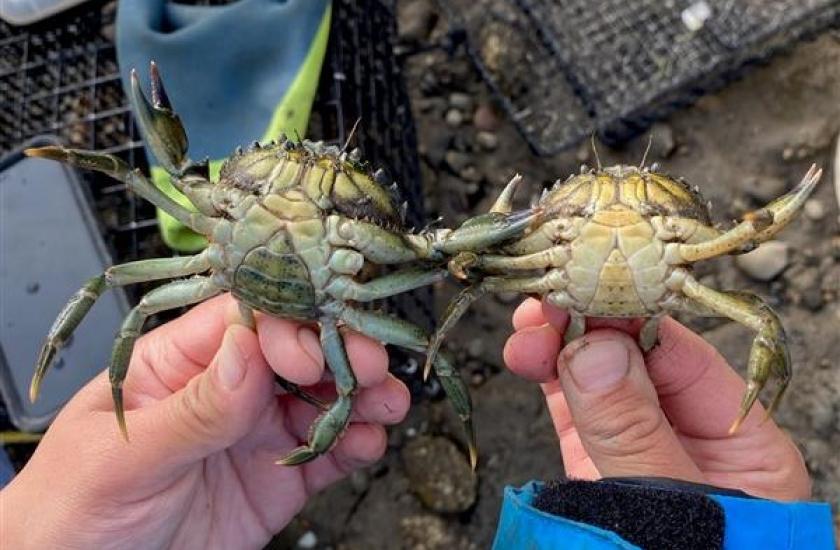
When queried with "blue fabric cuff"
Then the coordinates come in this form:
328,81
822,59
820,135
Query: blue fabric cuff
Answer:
749,523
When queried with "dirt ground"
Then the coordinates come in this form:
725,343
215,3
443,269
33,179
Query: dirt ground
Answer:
742,146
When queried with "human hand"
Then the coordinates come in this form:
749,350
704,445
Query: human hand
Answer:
205,430
666,414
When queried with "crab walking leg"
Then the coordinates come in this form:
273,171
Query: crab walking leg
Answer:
757,226
169,296
464,261
345,288
329,425
410,336
118,169
684,230
769,353
545,236
553,280
80,303
383,246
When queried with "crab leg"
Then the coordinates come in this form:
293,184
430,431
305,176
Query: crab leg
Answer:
553,257
345,288
769,353
81,302
169,296
118,169
757,226
410,336
553,280
329,425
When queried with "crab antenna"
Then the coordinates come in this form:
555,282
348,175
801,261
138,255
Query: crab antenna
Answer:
595,150
647,150
351,134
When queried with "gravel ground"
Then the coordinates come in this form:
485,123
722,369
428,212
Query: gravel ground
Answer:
743,146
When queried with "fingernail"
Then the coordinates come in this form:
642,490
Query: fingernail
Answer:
599,366
230,363
311,344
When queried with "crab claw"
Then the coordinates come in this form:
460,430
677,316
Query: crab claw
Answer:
489,229
160,125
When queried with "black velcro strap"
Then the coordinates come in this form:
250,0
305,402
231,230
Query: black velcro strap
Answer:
649,516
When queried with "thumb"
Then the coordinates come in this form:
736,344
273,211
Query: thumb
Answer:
615,409
214,410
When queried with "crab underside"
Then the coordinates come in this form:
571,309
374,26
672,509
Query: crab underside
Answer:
292,228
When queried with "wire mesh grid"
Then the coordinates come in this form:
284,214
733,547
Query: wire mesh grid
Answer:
566,69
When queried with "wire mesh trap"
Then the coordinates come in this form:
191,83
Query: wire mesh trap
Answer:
563,70
60,77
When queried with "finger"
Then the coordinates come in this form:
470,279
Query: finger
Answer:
386,403
294,352
616,412
701,395
361,446
698,389
559,319
213,411
532,352
576,461
528,314
175,352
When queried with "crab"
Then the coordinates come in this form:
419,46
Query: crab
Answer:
620,242
292,227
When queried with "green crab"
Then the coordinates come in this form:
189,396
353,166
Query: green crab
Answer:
291,228
620,242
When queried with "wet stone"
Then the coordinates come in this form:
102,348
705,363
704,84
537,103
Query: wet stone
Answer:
461,101
485,118
487,140
428,532
765,188
454,117
766,262
663,144
814,210
439,474
457,161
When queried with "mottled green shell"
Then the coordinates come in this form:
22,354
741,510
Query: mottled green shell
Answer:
326,176
645,192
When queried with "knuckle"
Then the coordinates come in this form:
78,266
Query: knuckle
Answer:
630,426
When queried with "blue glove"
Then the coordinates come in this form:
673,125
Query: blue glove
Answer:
239,73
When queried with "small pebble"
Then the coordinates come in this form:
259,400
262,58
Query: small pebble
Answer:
814,210
471,174
488,140
307,540
475,348
457,161
485,118
454,117
663,143
461,101
766,262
